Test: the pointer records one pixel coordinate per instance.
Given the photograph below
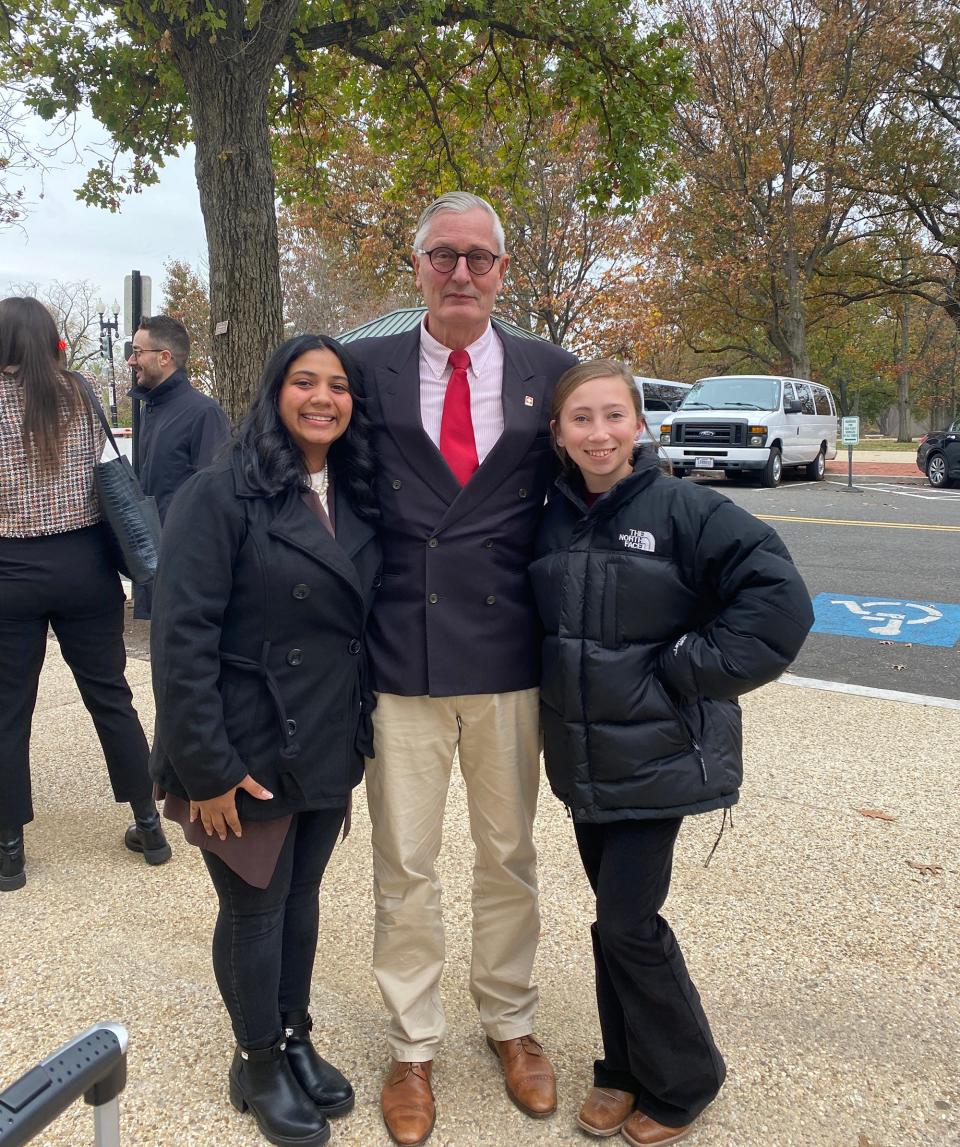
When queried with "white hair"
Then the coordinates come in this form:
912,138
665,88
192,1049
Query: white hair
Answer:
459,202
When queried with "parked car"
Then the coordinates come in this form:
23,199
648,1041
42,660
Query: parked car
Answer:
658,395
661,393
938,456
752,426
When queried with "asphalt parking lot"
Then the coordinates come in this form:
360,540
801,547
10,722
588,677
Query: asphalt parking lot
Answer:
881,563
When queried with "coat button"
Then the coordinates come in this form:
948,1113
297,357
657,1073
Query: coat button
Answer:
354,647
291,727
295,656
433,598
433,543
377,581
491,600
488,543
522,492
396,483
300,591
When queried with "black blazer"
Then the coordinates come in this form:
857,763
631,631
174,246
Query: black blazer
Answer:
455,612
256,645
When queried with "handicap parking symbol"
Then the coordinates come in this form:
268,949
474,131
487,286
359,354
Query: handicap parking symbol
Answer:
883,619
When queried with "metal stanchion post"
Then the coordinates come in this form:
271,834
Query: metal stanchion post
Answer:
93,1064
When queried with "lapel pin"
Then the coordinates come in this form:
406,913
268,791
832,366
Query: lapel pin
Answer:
528,400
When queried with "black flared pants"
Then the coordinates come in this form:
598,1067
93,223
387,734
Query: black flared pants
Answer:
657,1042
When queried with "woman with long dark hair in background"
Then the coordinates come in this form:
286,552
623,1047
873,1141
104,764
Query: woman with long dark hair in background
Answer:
266,576
56,570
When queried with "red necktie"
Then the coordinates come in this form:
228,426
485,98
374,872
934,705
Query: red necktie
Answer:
457,444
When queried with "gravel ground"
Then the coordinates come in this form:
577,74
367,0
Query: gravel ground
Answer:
825,944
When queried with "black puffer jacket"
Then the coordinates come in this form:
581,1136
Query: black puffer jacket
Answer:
661,604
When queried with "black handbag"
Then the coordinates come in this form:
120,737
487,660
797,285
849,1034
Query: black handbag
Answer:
131,516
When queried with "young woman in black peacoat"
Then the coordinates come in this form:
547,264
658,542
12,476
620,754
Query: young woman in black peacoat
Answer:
267,571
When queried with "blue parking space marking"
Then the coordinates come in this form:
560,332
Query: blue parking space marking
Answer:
883,619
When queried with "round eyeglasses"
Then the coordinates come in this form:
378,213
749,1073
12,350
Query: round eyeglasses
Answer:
444,259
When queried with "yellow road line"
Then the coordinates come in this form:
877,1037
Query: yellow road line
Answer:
851,522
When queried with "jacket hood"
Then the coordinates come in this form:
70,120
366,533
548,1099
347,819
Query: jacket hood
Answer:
646,468
158,394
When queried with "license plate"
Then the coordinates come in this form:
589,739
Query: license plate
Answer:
703,463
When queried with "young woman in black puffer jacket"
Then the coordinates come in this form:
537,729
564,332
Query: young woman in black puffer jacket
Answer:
662,601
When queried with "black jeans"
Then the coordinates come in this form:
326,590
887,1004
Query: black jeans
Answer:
656,1040
66,581
265,940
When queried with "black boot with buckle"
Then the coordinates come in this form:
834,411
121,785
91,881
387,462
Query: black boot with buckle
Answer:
145,835
12,875
326,1086
262,1081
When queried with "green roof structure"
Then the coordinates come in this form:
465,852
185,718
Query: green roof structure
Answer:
405,319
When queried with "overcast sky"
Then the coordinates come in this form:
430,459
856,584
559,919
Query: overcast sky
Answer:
64,239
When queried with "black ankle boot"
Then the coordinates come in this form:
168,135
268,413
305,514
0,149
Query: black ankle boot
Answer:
12,875
328,1089
264,1082
146,835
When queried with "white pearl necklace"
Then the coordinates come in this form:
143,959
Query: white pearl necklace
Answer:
319,483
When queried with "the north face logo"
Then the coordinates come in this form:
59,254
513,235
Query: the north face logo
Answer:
639,540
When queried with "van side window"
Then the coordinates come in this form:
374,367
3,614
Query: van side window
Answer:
807,405
788,393
822,398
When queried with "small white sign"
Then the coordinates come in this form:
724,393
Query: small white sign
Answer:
221,327
145,291
849,431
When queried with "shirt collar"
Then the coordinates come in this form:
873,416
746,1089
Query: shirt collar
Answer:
435,355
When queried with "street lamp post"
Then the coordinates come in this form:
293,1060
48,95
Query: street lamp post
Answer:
109,328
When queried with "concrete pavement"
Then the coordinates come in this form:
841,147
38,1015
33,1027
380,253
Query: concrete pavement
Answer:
876,463
824,938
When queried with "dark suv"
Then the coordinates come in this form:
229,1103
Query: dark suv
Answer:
938,456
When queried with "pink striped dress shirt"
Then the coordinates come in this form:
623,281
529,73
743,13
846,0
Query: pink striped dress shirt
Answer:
485,375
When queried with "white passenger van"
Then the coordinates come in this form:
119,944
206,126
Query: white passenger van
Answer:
752,426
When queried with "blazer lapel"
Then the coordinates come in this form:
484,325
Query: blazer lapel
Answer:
524,390
398,389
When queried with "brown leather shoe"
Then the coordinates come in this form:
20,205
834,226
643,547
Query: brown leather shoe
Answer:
406,1101
605,1110
528,1075
642,1131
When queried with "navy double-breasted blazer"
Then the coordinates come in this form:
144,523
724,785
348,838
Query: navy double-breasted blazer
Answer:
455,613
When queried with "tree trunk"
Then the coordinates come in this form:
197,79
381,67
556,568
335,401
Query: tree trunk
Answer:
903,365
227,80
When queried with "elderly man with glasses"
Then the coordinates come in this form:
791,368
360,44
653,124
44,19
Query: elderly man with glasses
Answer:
181,428
461,413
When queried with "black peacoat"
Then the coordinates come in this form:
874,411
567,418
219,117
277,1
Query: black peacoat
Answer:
456,614
257,645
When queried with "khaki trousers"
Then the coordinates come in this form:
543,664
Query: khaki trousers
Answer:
415,739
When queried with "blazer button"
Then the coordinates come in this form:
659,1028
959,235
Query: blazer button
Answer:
522,492
491,600
354,647
433,543
295,656
291,727
377,581
396,483
300,591
433,598
488,543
